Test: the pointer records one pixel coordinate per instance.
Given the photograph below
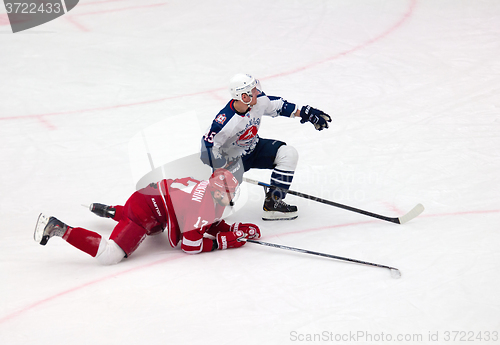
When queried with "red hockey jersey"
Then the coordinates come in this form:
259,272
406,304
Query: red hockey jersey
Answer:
191,213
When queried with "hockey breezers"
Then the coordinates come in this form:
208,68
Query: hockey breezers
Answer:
414,212
395,273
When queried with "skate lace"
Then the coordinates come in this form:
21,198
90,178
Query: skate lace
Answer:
55,230
279,202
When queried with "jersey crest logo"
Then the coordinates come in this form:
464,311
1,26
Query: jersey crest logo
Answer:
247,136
221,118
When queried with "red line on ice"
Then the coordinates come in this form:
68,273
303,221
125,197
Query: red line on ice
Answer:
97,2
4,19
40,117
36,304
80,287
363,45
181,255
120,9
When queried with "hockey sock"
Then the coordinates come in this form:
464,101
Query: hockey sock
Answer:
85,240
281,179
118,212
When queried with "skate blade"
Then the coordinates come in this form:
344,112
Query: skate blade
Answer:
39,228
274,215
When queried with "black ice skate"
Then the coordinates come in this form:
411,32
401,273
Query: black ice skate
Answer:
102,210
46,227
276,209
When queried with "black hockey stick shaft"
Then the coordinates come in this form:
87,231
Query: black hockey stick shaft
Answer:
398,220
394,271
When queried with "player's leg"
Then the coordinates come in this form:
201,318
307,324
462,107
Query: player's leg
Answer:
284,168
107,252
105,211
138,221
87,241
124,240
282,159
128,235
117,212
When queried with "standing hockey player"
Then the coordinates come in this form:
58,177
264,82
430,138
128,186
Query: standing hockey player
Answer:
188,209
232,140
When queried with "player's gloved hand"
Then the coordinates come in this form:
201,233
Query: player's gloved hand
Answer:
251,230
230,239
315,116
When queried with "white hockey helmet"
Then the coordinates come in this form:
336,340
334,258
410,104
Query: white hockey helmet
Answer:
242,83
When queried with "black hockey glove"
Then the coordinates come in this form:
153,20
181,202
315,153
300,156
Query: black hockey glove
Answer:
315,116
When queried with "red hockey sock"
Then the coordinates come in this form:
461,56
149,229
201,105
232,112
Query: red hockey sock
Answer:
118,212
85,240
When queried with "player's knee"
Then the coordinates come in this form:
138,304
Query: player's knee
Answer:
109,253
286,158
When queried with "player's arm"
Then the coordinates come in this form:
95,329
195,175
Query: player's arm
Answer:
277,106
217,136
210,153
224,236
315,116
232,236
307,113
193,242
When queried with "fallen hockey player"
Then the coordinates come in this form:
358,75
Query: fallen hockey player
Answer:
188,210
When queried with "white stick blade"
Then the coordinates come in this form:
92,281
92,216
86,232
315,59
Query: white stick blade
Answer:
416,211
395,273
249,180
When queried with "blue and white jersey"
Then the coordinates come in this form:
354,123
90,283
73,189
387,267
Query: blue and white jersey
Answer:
232,135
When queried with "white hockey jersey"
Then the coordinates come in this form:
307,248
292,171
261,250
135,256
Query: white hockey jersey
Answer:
232,135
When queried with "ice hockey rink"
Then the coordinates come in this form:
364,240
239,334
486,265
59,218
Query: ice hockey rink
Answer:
94,100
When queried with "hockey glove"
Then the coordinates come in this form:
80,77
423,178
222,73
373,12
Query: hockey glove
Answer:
251,230
230,239
315,116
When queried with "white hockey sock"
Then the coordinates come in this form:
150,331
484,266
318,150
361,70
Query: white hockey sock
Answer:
286,162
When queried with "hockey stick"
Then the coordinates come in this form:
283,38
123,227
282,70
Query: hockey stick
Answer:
414,212
395,273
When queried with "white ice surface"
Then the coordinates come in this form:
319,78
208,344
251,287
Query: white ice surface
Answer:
413,87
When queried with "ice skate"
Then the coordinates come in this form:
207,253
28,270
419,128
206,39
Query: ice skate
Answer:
102,210
276,209
46,227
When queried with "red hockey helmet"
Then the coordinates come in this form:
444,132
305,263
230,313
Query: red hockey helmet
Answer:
223,181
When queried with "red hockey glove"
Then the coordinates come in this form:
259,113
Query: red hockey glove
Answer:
251,230
230,239
217,227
